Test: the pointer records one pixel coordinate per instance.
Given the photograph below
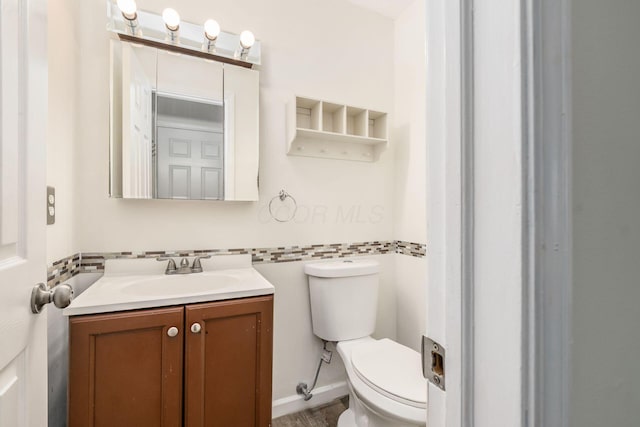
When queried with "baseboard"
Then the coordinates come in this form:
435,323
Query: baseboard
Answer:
321,395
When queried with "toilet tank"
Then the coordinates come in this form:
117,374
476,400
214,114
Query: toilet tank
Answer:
344,298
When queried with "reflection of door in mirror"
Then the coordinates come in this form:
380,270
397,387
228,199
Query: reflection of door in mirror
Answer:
137,120
189,126
189,153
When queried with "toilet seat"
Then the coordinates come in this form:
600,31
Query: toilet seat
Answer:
372,396
392,370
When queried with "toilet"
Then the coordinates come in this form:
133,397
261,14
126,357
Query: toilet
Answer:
386,386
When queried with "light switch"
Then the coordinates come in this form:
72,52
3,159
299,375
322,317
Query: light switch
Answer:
51,205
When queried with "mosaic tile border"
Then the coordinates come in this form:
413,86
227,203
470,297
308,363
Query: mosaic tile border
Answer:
63,270
418,250
93,262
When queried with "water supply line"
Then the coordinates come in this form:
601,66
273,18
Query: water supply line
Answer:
302,388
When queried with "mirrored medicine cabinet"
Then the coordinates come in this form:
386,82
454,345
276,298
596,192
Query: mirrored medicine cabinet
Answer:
182,127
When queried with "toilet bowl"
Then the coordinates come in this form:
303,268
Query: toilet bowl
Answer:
386,386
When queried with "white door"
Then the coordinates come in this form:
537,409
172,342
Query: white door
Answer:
23,92
137,124
190,164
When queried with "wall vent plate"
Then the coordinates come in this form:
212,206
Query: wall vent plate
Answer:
433,362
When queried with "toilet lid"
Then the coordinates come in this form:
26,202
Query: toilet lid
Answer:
392,370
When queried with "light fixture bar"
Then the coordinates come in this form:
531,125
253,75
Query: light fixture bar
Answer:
151,29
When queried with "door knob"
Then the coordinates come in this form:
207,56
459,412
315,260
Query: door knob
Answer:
196,328
61,296
172,331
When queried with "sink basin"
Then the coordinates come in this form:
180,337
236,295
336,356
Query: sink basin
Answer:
135,284
180,284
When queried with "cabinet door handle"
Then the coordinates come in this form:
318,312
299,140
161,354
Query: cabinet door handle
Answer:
196,328
172,331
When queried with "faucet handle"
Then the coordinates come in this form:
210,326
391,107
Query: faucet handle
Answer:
171,265
197,266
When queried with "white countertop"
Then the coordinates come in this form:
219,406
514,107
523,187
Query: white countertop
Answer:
135,284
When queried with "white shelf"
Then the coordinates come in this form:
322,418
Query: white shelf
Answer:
335,131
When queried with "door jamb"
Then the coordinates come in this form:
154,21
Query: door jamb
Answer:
547,227
450,187
467,212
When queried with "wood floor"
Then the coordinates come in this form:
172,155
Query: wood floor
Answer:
322,416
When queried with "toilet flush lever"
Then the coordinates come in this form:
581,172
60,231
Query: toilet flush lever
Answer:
433,360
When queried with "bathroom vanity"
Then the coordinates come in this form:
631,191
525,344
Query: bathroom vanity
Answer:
173,361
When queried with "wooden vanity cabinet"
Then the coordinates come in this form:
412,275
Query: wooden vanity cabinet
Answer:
126,370
228,363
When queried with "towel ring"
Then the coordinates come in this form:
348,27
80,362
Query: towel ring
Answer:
283,195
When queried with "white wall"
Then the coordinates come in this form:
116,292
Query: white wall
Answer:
61,126
309,48
409,139
606,212
62,62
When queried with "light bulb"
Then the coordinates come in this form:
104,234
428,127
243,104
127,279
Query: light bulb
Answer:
128,8
247,39
211,29
171,19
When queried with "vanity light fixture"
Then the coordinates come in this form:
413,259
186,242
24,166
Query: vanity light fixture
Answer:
130,14
171,20
247,39
211,32
167,31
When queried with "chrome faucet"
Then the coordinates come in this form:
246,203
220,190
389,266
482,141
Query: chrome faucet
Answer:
196,267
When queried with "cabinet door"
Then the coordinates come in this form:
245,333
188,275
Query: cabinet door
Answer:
228,363
125,370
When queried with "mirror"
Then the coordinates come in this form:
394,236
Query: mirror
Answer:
182,127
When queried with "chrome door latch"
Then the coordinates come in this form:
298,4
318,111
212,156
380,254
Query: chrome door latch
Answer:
433,358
